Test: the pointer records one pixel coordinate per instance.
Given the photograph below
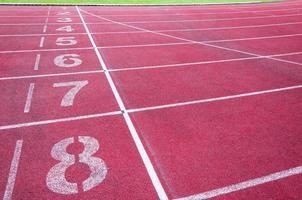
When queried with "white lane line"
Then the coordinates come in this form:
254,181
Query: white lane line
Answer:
182,64
245,184
42,42
230,27
164,21
183,14
153,66
36,66
29,98
47,17
145,45
140,147
49,75
205,20
35,24
253,38
214,99
40,50
39,34
51,121
188,40
143,109
13,171
44,29
199,42
201,13
162,30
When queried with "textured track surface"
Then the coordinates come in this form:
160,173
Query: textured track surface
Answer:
178,102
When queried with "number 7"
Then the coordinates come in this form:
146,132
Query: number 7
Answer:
70,95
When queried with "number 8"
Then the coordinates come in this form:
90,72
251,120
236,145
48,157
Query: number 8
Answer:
56,180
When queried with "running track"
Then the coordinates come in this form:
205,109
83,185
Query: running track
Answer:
178,102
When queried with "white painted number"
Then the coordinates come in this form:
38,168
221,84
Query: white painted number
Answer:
65,28
64,13
68,98
56,180
66,41
68,60
67,19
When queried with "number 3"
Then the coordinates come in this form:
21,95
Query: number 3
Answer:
56,180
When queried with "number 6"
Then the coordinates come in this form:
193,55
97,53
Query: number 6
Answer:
62,60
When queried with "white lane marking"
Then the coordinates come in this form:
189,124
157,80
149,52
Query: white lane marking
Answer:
51,121
36,67
150,169
39,50
47,17
180,14
245,184
188,40
205,20
254,38
36,123
163,21
49,75
162,30
45,34
42,42
13,171
29,98
199,42
145,45
214,99
201,13
44,28
153,66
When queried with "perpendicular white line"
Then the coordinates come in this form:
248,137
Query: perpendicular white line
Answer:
201,13
214,99
188,40
49,75
145,45
140,147
253,38
36,67
29,97
184,64
36,24
165,30
51,121
205,20
40,50
39,34
42,41
165,21
13,171
44,28
36,123
153,66
245,184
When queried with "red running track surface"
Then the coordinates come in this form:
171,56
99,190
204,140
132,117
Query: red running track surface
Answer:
155,102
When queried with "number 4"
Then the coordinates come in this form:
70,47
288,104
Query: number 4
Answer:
70,95
65,28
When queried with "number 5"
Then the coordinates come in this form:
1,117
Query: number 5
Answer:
66,41
70,95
